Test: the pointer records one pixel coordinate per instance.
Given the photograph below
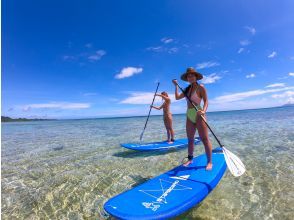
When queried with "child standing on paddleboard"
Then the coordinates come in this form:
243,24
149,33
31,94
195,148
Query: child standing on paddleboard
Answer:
167,116
196,92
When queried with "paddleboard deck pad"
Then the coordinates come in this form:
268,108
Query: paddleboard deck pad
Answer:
163,145
171,193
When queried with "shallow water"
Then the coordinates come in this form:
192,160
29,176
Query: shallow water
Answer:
67,169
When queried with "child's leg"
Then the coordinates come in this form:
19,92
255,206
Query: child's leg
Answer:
172,133
167,129
168,135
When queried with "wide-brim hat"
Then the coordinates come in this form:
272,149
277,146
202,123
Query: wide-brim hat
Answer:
191,70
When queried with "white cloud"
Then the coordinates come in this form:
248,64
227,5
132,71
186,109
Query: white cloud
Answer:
68,57
167,40
273,54
212,78
253,103
83,56
289,95
113,99
241,50
245,42
173,50
69,44
128,72
252,75
283,95
56,105
275,85
97,56
291,74
252,30
290,100
241,100
89,45
163,49
243,95
156,49
143,98
90,94
139,98
207,64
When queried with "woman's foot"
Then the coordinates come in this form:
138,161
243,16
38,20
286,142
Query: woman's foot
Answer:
171,141
209,166
187,163
168,141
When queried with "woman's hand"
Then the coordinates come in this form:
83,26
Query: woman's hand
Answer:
151,106
175,82
200,112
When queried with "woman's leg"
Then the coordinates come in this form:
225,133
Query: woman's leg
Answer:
190,130
203,133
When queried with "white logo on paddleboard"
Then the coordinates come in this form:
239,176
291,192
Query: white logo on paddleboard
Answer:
185,177
154,205
150,205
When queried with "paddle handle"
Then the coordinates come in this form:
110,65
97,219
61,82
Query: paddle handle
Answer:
149,112
218,141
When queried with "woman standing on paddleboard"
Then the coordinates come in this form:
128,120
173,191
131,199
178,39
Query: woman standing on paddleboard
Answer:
196,92
167,116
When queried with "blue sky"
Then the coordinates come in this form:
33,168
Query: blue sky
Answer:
80,59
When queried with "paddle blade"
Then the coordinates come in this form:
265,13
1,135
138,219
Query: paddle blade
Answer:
235,165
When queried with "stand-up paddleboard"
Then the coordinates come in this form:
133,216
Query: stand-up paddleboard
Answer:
171,193
163,145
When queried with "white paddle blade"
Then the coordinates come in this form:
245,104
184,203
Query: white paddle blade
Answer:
235,165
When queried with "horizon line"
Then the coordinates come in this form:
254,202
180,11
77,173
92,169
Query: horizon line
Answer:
133,116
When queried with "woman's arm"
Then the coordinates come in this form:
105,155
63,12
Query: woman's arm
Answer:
205,98
177,94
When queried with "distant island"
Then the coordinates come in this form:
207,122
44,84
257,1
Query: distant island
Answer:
288,105
8,119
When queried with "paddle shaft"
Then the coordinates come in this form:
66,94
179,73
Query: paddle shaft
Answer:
150,110
218,141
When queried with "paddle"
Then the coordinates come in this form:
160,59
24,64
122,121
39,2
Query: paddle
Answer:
141,136
234,164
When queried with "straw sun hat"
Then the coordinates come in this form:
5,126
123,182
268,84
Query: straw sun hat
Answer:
191,70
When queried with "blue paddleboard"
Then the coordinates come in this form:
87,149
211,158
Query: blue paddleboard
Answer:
171,193
163,145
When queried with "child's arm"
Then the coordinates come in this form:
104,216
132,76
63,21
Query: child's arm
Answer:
158,108
164,97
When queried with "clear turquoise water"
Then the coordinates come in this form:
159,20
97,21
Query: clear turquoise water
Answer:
67,169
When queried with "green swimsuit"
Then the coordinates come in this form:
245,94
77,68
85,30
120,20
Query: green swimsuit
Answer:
192,112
